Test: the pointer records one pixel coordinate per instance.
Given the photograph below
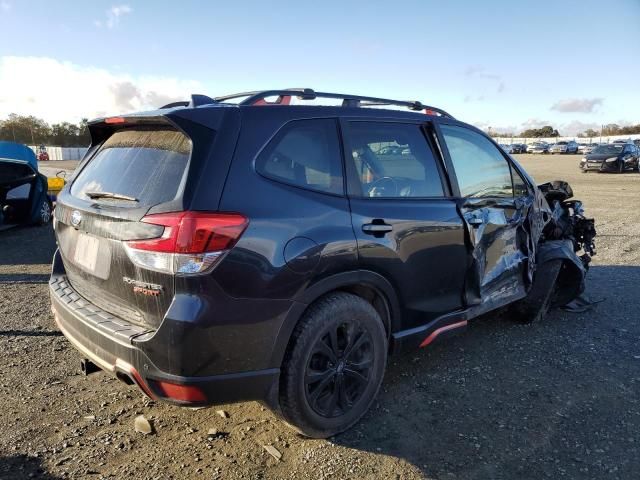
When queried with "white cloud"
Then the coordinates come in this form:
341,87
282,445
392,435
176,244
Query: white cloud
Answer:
575,127
579,105
480,72
72,92
113,16
5,6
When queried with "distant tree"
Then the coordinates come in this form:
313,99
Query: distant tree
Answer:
611,129
83,132
29,130
64,134
35,131
590,132
630,130
546,131
494,134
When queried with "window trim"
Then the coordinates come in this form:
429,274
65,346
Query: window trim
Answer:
354,186
283,181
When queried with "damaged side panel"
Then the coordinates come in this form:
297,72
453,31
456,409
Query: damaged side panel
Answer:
509,238
498,251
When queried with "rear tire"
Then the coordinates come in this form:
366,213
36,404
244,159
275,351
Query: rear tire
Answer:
334,365
535,305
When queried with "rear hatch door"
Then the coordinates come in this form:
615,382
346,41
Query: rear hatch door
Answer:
132,169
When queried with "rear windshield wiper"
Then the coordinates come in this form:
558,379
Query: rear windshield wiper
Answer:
115,196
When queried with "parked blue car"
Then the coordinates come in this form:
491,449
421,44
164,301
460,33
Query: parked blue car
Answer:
23,191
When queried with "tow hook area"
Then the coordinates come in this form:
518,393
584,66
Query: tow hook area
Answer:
87,366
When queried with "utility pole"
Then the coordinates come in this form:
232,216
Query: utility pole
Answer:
601,129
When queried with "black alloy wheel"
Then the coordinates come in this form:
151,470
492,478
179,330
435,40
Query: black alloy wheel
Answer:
339,369
333,366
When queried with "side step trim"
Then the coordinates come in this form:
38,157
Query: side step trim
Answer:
433,335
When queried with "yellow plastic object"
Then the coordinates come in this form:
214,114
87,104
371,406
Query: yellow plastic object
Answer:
55,184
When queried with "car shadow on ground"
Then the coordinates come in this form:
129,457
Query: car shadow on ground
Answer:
24,278
30,333
27,246
505,400
21,467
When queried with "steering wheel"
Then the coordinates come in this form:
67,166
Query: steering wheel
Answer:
378,188
401,187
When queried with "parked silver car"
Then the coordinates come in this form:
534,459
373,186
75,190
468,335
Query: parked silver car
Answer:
538,147
564,147
507,148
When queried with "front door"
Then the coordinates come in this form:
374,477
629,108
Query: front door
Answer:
406,224
494,216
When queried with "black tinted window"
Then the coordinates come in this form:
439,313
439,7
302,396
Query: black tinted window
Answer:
480,168
393,160
148,165
305,153
519,185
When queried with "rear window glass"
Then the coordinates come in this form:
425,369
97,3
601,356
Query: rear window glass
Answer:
146,165
305,153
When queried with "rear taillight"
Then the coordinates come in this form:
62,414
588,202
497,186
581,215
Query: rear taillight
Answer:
191,243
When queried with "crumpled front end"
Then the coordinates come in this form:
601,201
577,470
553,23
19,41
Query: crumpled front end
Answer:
566,235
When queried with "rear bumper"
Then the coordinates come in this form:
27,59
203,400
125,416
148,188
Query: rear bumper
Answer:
116,347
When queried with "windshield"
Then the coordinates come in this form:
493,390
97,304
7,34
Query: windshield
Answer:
145,165
561,143
608,149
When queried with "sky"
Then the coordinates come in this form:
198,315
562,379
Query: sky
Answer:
504,64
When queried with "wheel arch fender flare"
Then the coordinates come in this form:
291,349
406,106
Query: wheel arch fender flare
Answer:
339,281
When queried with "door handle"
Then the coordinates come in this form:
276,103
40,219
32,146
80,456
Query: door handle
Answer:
376,228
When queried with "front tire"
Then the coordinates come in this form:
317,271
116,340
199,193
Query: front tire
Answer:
334,365
535,305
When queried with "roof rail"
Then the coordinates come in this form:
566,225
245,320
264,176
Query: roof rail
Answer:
174,104
284,97
258,98
196,100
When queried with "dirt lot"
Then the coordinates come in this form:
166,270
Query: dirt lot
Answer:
559,399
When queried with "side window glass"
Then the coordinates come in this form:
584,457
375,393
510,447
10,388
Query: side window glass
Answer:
305,153
480,168
519,185
393,160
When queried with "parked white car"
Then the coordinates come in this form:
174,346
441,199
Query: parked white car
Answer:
538,147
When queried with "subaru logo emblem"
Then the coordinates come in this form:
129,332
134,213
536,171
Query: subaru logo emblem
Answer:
76,218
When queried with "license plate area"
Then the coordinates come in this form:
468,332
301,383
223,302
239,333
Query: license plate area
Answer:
93,255
86,254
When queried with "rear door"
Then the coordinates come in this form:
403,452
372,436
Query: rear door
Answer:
494,213
145,167
406,224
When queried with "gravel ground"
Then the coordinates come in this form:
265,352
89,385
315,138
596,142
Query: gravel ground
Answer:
559,399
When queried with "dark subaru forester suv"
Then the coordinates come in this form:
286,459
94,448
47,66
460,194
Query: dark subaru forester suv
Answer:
260,246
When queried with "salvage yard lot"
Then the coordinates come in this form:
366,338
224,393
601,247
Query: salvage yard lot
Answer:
558,399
